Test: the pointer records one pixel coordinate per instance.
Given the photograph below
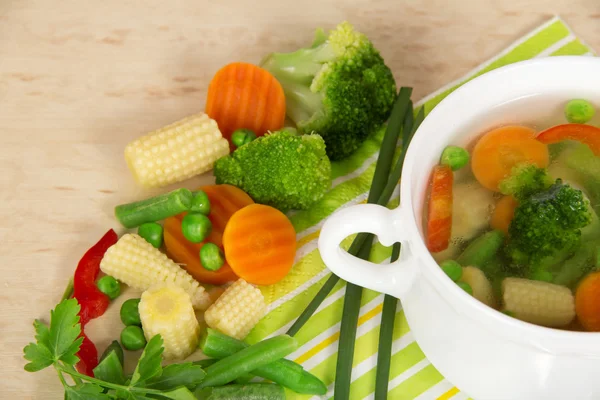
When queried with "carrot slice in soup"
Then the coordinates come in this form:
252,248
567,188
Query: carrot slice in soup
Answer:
504,213
260,244
586,134
587,302
499,150
439,215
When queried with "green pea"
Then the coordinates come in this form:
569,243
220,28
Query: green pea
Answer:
130,314
132,338
211,257
241,137
452,269
152,232
200,203
579,111
466,287
455,157
196,227
109,286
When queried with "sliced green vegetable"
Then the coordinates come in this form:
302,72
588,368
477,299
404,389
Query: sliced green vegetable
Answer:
196,227
246,360
466,287
482,249
110,368
200,202
130,314
207,362
250,391
455,157
452,269
109,286
132,338
154,209
579,111
114,346
284,372
212,257
582,262
240,137
152,233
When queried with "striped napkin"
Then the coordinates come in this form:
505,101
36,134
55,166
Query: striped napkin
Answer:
411,375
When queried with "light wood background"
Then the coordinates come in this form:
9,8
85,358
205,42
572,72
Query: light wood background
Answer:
80,79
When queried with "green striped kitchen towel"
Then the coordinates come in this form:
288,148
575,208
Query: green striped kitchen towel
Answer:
411,375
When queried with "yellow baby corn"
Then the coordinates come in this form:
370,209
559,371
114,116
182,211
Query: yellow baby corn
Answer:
176,152
237,310
482,288
135,262
167,310
538,302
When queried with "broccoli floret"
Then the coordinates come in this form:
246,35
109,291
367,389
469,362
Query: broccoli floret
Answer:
545,223
281,169
339,88
525,179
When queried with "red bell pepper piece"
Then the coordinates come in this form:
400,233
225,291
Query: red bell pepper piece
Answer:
439,213
586,134
92,301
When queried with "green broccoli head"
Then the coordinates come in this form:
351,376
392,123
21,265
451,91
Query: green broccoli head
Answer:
339,88
281,169
544,224
525,179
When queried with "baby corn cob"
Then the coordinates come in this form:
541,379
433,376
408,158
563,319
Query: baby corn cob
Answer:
167,310
538,302
482,288
135,262
176,152
237,310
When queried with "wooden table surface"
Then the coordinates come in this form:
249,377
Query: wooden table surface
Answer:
79,80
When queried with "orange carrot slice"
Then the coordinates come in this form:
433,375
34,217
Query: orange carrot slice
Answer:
225,200
504,213
587,302
586,134
243,95
260,244
499,150
439,215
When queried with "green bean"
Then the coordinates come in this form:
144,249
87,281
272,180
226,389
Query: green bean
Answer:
110,368
132,337
196,227
130,314
482,249
249,391
452,269
200,203
152,233
154,209
211,257
116,347
240,137
284,372
248,359
109,286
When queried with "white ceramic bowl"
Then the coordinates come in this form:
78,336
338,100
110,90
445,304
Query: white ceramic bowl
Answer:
485,353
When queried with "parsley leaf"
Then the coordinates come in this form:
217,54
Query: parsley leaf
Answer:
86,391
64,331
179,394
39,357
149,365
176,375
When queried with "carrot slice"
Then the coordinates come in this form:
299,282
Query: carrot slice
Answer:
439,215
225,200
501,149
504,213
243,95
587,302
586,134
260,244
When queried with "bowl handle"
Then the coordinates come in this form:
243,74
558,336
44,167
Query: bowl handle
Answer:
395,278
